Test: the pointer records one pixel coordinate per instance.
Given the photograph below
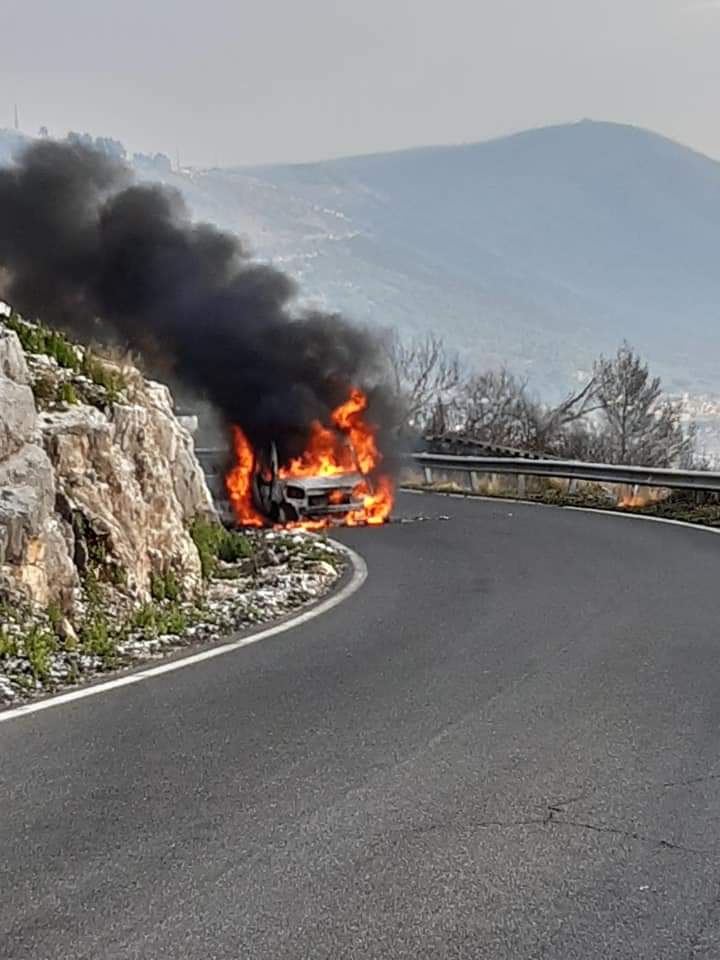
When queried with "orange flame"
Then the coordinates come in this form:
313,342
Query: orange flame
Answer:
632,502
348,446
640,497
324,456
239,482
377,503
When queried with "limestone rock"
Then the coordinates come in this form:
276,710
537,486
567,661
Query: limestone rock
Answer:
119,474
17,416
34,556
12,359
115,484
27,497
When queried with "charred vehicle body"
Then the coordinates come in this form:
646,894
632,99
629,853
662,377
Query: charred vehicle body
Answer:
286,499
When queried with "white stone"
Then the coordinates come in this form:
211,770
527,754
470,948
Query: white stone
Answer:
12,359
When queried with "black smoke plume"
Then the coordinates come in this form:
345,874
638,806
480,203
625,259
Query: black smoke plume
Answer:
86,249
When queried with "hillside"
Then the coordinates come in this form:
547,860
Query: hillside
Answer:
539,250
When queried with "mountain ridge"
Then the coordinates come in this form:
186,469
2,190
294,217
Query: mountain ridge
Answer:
540,249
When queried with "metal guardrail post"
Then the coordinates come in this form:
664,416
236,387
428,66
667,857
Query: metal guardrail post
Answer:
521,485
428,475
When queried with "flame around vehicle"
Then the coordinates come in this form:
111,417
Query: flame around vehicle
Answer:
238,482
348,445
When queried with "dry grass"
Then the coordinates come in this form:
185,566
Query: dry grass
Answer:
673,506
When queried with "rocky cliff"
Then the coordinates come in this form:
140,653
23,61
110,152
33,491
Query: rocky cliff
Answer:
97,475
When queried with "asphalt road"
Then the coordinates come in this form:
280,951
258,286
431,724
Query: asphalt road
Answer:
505,745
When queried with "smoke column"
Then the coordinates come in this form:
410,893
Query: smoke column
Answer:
84,248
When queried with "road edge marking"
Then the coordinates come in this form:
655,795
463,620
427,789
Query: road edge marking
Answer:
358,578
641,516
561,506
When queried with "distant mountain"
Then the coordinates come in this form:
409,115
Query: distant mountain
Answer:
539,250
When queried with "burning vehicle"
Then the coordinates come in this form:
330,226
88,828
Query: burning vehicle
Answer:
335,479
288,499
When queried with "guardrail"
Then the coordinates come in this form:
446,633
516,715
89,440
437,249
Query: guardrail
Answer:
572,470
523,467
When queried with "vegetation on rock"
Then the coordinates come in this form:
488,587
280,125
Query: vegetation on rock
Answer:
75,374
217,544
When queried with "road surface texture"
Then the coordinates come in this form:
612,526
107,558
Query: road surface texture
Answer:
505,745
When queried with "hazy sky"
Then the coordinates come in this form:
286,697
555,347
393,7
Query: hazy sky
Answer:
230,81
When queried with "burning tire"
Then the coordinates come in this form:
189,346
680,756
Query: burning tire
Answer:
286,514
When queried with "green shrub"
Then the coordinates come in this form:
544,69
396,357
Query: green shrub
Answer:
91,586
215,543
112,381
233,546
54,615
36,338
173,619
206,537
57,346
26,334
228,573
67,393
165,586
96,641
144,618
8,645
97,549
152,620
117,575
38,646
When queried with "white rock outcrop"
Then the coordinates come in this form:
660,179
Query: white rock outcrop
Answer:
119,485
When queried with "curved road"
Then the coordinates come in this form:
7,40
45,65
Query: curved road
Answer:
506,745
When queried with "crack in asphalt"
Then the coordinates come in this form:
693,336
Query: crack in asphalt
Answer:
559,808
551,818
630,834
693,780
696,945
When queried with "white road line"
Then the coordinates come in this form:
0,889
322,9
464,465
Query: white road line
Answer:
642,516
357,579
629,515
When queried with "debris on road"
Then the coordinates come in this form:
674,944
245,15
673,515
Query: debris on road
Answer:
419,518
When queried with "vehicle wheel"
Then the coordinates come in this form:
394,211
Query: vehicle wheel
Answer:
286,513
256,495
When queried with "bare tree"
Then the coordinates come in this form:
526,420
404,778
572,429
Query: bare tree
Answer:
494,407
563,429
497,408
618,415
639,426
426,378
